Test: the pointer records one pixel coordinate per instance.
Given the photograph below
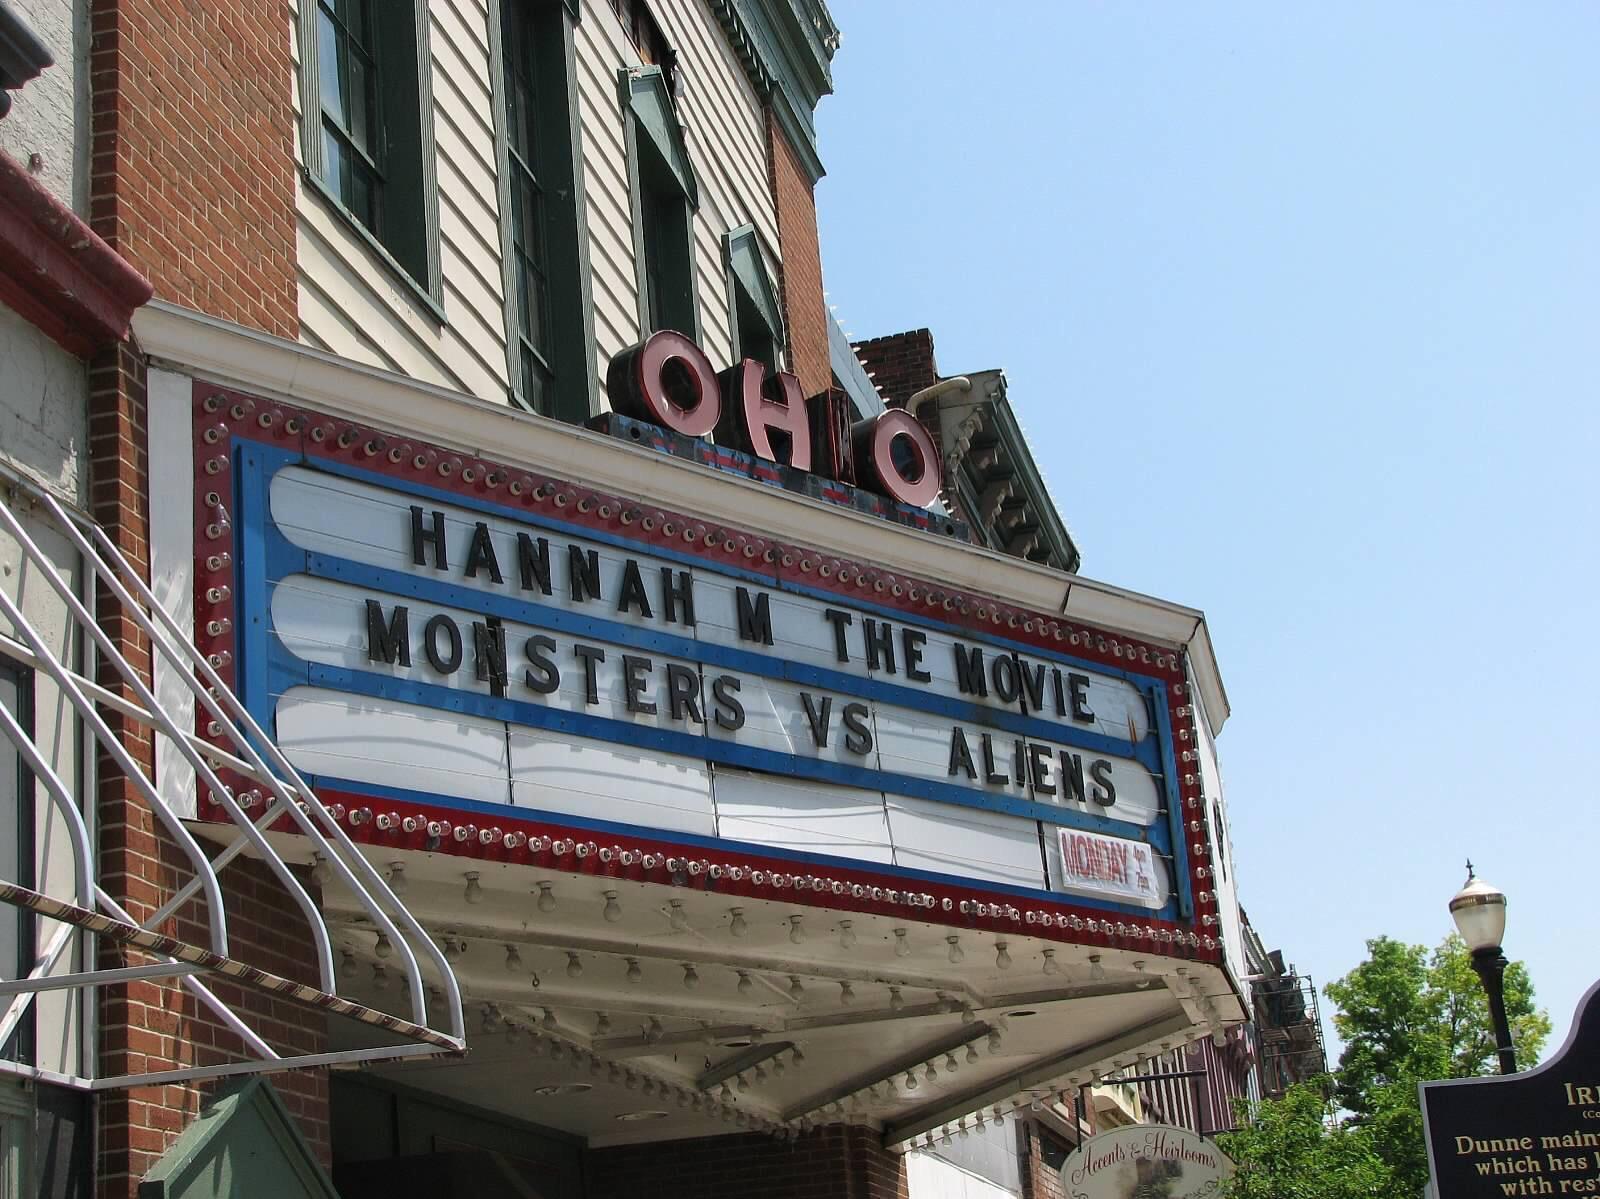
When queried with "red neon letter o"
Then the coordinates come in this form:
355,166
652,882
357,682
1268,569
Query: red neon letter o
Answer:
637,385
873,440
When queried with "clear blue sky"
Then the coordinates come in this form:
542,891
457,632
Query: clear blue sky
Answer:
1300,306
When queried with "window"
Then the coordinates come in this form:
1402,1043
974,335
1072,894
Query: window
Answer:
665,195
367,126
549,329
757,318
647,38
16,847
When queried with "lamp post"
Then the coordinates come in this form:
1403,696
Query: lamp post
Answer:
1479,911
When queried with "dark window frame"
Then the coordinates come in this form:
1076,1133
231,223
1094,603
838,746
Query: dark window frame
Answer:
403,233
664,195
754,311
546,154
21,1045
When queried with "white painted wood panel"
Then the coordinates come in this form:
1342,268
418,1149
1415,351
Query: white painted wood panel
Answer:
843,821
965,841
350,301
571,776
393,744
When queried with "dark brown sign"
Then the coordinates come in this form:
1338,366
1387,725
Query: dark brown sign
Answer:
1534,1133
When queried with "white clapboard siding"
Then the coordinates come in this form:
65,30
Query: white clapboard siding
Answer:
350,301
602,50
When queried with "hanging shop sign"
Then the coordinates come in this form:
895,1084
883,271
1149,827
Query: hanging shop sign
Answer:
420,630
1533,1133
1145,1159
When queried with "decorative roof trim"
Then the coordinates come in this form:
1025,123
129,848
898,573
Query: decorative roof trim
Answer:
56,272
22,54
786,48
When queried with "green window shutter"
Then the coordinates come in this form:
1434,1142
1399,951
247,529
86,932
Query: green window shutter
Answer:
366,129
757,313
664,196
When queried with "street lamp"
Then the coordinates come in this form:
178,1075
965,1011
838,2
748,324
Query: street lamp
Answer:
1479,911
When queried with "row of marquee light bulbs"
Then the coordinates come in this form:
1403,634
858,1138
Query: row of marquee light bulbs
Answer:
548,1037
677,868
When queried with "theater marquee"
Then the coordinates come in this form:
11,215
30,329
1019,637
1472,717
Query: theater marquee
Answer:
419,627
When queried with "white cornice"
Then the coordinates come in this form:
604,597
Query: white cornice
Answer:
252,361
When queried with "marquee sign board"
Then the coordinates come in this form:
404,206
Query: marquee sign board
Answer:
1145,1160
422,629
1532,1133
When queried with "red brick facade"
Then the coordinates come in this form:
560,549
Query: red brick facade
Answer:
149,1025
900,364
800,280
829,1163
192,175
191,180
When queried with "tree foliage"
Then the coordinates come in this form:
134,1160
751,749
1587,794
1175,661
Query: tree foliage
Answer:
1296,1148
1405,1016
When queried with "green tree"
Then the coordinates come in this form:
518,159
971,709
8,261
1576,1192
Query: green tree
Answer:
1406,1016
1297,1148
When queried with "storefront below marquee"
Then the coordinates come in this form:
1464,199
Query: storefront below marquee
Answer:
736,832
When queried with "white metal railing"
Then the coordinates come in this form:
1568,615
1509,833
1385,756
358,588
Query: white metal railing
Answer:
93,912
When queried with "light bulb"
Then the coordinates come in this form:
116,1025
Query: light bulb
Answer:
347,966
691,978
634,974
956,954
744,1083
902,947
602,1024
1051,966
738,926
847,934
381,946
547,899
760,1073
847,993
1002,956
798,1057
1097,972
950,1063
745,986
398,882
380,977
968,1016
513,960
574,966
797,932
896,1001
677,917
931,1072
796,991
613,910
972,1054
474,892
910,1081
453,949
653,1030
994,1042
549,1021
321,872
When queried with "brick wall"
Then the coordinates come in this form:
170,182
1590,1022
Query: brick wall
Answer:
829,1163
192,160
900,364
800,276
151,1025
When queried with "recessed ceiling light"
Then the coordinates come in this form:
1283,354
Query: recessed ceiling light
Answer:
736,1044
563,1088
1027,1011
632,1117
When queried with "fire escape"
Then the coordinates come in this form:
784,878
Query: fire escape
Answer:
1289,1025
